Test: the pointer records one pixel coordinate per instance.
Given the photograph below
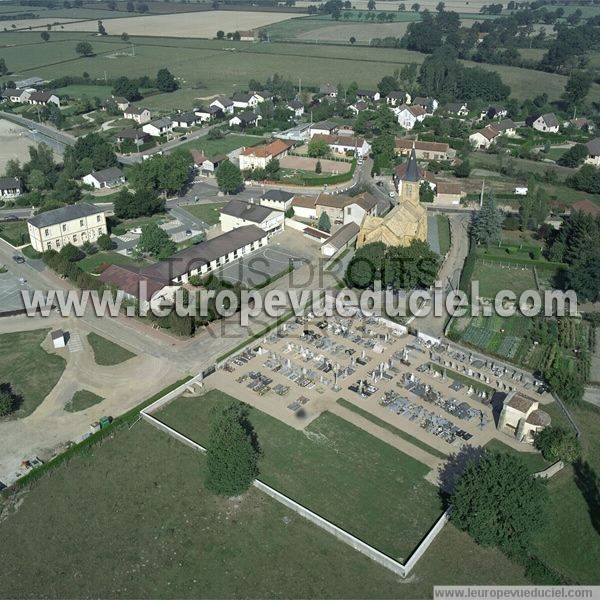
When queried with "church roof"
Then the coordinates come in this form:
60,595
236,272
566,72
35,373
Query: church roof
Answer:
412,172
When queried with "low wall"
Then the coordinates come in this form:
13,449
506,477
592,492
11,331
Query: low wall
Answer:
551,471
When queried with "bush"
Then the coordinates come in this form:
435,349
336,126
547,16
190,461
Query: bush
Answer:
558,443
7,402
104,242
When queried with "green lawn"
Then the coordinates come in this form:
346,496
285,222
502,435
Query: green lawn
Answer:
534,460
443,233
221,146
107,353
494,277
28,368
14,232
156,532
570,541
395,430
209,213
81,400
336,469
93,262
118,227
91,91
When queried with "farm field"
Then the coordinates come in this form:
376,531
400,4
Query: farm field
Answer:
494,277
40,23
22,359
193,24
328,468
224,67
157,532
91,91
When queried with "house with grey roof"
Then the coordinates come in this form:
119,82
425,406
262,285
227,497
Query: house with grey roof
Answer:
10,187
547,123
158,127
245,119
185,120
277,199
237,213
225,105
74,224
593,148
105,178
43,98
138,114
343,238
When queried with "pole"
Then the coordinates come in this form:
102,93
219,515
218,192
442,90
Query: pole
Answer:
481,197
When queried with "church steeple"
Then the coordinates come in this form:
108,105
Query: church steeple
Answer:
412,168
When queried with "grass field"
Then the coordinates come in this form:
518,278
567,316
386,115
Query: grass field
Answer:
443,224
333,468
107,353
494,277
91,91
395,430
81,400
228,63
156,532
534,460
94,262
28,368
14,232
209,213
570,541
224,145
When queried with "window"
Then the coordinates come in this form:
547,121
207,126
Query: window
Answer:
46,232
49,245
81,222
58,243
64,227
97,218
74,237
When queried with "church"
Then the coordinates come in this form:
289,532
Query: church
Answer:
407,221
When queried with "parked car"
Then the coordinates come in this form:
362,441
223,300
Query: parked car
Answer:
18,259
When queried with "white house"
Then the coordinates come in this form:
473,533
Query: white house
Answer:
158,127
593,148
225,105
429,105
358,107
343,238
506,127
74,224
296,107
184,120
423,150
257,157
58,338
10,187
43,98
207,114
277,199
323,128
328,90
245,100
409,116
236,214
137,114
368,95
547,123
245,119
460,109
16,96
494,111
397,98
106,178
343,144
484,138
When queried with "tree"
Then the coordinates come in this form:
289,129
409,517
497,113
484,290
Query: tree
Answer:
425,192
3,67
318,167
66,190
92,146
70,253
232,451
586,179
101,28
387,84
144,202
125,36
165,81
352,40
371,5
558,443
127,88
463,169
317,148
487,224
416,7
324,223
84,49
156,241
229,177
577,87
104,242
45,36
499,502
574,156
220,34
7,402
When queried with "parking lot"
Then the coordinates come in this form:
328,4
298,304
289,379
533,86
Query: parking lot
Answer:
433,394
10,292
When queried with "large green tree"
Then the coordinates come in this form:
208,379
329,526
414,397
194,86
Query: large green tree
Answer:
229,178
143,202
84,49
317,148
487,224
499,502
577,87
165,81
232,451
156,241
7,402
558,443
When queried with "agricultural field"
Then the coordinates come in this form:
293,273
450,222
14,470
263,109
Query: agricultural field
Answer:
190,25
22,359
91,91
226,63
157,532
326,466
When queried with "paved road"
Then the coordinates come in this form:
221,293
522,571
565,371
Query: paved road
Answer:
42,133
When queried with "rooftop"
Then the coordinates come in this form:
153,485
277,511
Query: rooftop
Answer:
65,213
246,210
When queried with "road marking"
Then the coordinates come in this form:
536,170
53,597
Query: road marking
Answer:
74,344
